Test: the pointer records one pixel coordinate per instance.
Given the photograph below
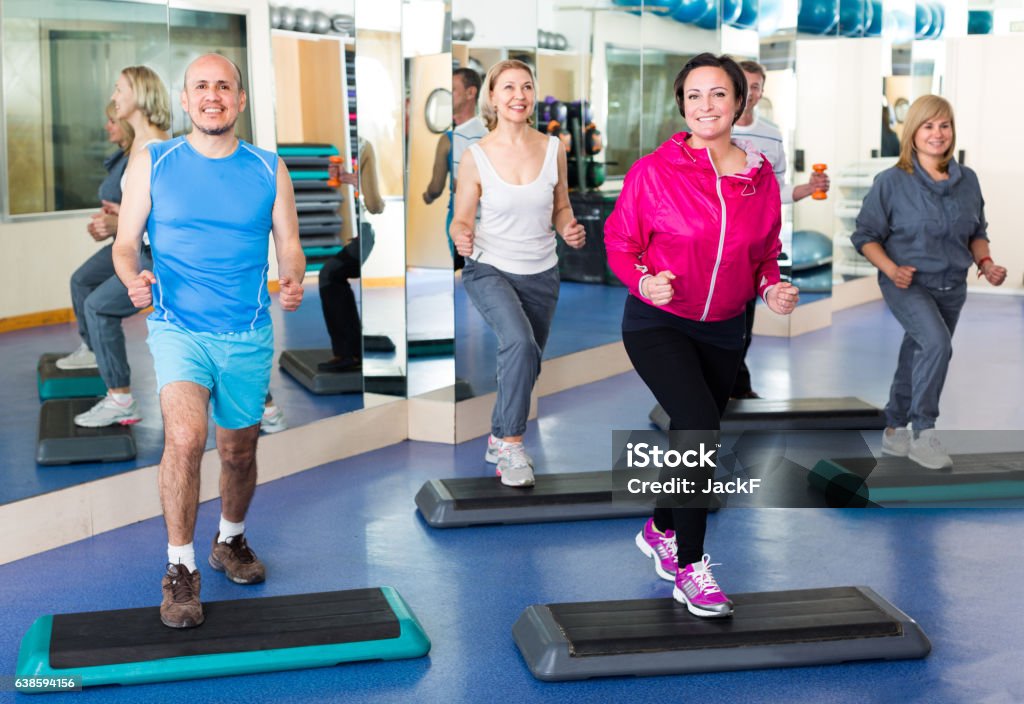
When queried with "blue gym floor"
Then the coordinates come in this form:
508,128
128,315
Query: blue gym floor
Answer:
353,524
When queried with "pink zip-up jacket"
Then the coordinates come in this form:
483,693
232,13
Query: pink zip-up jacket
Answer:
718,235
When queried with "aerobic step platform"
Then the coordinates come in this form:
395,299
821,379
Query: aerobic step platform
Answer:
60,383
302,365
431,344
887,480
472,501
132,646
378,343
60,441
768,629
845,413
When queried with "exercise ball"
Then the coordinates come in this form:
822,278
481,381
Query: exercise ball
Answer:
692,10
468,30
287,18
709,20
979,22
748,15
938,20
852,20
275,17
731,10
321,23
303,20
769,17
816,280
923,18
811,249
561,42
343,24
818,16
874,19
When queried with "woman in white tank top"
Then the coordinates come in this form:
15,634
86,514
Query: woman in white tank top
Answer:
517,175
141,100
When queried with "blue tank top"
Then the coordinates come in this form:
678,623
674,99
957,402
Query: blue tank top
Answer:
209,225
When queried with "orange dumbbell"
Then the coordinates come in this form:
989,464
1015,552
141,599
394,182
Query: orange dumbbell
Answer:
820,169
333,182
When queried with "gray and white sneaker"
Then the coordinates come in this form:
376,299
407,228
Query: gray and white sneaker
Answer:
928,452
108,412
273,420
514,466
896,442
494,445
82,358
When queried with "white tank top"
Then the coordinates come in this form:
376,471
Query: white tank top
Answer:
515,233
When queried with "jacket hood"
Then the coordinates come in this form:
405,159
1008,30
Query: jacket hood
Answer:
678,152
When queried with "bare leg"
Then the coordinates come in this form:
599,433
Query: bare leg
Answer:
237,450
184,406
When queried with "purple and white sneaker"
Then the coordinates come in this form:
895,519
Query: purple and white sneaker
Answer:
696,587
661,547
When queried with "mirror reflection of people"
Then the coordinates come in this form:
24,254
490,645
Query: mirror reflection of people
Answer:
923,226
694,236
337,300
517,176
99,298
210,201
468,130
768,139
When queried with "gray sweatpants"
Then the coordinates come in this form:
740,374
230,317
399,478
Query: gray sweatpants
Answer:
929,317
100,301
519,309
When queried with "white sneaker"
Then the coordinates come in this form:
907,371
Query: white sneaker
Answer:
514,466
82,358
928,452
896,442
273,420
108,412
494,445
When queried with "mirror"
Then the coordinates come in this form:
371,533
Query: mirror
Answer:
438,111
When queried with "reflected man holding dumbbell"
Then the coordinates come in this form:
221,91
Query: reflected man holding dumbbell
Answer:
767,138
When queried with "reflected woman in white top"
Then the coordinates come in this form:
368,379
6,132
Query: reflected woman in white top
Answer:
517,175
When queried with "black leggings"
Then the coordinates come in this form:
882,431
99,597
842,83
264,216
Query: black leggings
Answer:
691,381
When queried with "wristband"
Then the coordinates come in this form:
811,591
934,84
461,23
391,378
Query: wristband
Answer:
981,263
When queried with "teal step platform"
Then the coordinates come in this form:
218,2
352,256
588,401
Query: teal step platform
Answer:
889,480
431,344
60,441
303,149
60,383
768,629
246,636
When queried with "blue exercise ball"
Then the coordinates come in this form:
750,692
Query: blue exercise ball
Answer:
874,21
922,21
938,20
731,10
817,280
748,15
811,249
818,16
769,17
709,20
980,22
692,10
852,17
660,7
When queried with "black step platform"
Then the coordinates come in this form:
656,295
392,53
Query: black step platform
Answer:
430,344
887,480
769,629
471,501
846,413
301,365
60,441
131,646
378,343
64,383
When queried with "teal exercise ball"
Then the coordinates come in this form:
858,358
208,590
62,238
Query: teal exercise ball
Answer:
818,16
853,17
923,17
709,20
731,10
748,15
874,21
692,10
979,22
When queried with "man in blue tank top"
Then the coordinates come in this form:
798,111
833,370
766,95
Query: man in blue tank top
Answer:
208,201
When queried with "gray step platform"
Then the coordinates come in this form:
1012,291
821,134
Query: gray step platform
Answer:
301,365
60,441
768,630
62,383
472,501
846,413
888,480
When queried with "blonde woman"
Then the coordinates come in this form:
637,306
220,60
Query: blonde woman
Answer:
141,101
923,226
517,176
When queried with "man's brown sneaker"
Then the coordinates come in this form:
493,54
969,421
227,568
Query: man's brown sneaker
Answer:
237,560
180,607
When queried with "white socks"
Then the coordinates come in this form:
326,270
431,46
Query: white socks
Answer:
229,529
122,399
182,555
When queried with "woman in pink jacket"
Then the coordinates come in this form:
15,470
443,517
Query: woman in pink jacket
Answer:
695,235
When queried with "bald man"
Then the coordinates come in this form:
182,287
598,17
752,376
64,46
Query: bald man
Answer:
209,202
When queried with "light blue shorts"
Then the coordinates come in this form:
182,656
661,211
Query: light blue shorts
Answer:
234,366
